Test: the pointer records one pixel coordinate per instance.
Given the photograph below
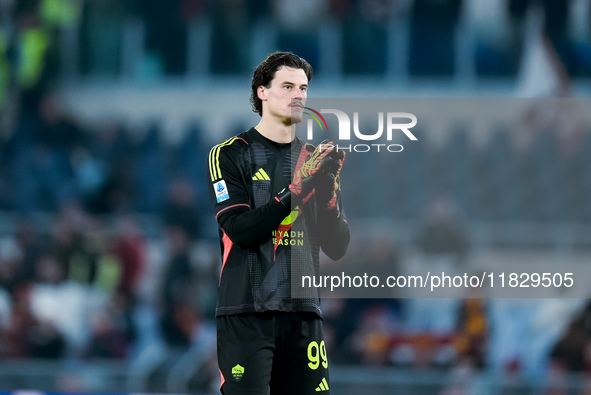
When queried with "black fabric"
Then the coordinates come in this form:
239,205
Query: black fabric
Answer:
281,351
246,227
264,244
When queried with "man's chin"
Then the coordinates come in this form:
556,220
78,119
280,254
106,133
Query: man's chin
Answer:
296,118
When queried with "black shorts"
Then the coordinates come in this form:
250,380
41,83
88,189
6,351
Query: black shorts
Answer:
283,353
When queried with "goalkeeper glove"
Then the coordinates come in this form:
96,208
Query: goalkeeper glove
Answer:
302,186
328,180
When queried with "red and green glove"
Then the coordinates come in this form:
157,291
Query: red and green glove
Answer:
304,178
328,180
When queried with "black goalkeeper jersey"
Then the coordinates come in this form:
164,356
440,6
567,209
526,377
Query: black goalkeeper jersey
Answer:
267,247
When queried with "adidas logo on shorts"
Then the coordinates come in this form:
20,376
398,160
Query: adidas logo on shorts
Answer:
323,386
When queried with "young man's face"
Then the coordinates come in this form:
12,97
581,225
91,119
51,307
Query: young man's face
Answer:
286,95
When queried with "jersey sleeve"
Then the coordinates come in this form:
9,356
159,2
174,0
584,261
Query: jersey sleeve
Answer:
230,195
334,231
227,188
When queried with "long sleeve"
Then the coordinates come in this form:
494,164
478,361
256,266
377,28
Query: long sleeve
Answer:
333,231
246,227
231,197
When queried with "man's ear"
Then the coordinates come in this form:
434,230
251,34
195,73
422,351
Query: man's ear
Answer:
262,92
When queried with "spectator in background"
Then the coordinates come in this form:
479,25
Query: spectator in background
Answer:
33,43
181,208
29,331
179,317
382,259
572,351
42,156
107,341
10,268
38,24
340,321
378,324
5,312
471,335
545,74
68,243
58,130
58,307
29,243
89,174
77,274
116,191
112,329
15,339
130,251
554,26
470,343
43,176
59,136
46,340
360,324
556,16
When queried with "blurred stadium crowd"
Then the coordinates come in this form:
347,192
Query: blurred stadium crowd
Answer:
107,245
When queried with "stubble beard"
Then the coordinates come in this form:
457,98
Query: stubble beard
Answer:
296,115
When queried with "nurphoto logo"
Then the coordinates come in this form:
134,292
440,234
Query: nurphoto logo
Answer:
395,123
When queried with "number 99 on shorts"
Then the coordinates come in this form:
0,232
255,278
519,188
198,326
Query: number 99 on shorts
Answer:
317,355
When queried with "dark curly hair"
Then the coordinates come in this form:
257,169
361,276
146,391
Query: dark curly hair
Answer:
265,72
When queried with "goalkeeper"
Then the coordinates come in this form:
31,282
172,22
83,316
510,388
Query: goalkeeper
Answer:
277,203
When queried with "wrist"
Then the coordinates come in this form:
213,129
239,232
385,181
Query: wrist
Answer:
284,197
